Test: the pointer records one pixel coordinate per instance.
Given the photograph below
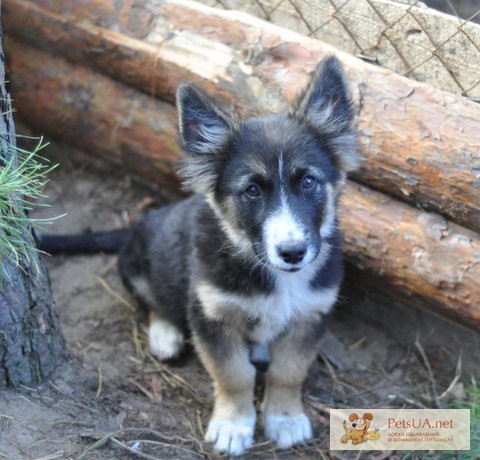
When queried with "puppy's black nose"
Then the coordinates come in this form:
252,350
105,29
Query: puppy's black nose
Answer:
292,253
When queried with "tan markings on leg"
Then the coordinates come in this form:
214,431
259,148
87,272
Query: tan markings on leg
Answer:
232,424
165,339
284,419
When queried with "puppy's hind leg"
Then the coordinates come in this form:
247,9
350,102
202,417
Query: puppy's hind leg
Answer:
165,336
165,339
165,331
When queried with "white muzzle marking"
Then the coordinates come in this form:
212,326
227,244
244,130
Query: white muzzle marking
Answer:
282,228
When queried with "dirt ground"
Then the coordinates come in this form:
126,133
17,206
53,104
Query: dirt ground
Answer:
112,396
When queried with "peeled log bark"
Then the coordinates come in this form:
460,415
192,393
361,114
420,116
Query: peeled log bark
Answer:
422,145
89,110
417,251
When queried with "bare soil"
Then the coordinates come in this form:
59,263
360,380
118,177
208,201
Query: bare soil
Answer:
111,387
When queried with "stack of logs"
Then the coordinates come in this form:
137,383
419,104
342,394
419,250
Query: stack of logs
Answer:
102,75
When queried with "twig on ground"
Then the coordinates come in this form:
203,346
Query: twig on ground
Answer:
26,399
109,266
147,393
115,294
180,381
100,382
329,367
58,454
319,451
109,436
133,451
136,341
75,402
163,444
357,344
431,376
458,373
200,425
316,409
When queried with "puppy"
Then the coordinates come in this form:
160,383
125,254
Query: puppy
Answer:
358,432
249,264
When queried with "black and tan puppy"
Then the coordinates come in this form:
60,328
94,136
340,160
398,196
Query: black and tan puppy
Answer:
251,262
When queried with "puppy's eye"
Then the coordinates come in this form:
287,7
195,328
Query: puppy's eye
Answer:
252,190
308,182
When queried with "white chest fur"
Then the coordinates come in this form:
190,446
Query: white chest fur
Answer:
292,298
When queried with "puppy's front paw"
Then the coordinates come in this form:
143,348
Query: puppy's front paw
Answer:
287,430
231,436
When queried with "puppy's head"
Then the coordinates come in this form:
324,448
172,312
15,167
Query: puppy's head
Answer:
274,180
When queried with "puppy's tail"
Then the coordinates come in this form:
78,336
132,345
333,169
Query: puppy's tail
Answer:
83,243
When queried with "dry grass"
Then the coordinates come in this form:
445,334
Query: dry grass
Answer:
347,388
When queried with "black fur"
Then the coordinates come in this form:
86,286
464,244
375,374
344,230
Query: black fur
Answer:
86,243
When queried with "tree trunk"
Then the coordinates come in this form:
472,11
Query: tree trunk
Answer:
31,344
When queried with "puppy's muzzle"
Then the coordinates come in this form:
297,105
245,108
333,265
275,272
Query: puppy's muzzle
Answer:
292,252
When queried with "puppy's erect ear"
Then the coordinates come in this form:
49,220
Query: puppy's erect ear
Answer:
204,131
353,417
367,416
327,107
203,125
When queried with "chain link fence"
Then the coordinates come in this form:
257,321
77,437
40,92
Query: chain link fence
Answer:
406,36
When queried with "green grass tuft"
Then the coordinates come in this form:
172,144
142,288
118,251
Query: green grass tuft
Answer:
23,176
472,402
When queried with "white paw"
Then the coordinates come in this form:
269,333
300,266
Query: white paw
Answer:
165,340
231,436
287,430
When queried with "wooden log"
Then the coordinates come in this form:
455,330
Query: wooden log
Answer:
89,110
420,252
421,144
